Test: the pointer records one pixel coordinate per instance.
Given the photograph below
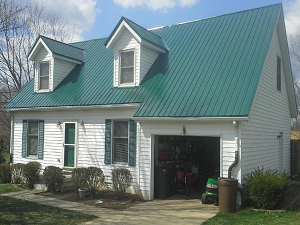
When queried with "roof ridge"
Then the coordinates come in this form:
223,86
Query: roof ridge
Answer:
212,17
60,42
142,27
94,39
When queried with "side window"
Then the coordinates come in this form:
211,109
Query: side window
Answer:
278,73
120,141
127,67
32,138
44,74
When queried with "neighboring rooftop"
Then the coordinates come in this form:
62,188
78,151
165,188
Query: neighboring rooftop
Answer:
212,69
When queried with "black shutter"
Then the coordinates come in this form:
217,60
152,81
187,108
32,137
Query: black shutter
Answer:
132,144
41,140
24,139
278,73
107,157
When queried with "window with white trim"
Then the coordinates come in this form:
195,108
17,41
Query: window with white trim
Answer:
127,67
44,74
32,138
120,141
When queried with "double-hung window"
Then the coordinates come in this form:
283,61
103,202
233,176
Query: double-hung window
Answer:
32,138
120,141
127,67
44,74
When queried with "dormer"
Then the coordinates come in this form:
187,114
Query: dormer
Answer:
135,50
53,61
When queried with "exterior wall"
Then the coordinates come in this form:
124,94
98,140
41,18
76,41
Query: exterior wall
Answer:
269,115
147,59
90,139
43,55
61,69
224,130
126,41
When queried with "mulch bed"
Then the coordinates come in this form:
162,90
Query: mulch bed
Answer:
109,199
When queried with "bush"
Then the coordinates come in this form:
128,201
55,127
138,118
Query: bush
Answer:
53,178
79,177
17,173
95,179
31,173
265,189
121,180
5,174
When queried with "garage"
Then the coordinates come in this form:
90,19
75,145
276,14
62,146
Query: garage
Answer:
183,165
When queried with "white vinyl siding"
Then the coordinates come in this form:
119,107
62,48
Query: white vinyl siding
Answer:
91,139
147,59
224,130
269,116
61,69
43,56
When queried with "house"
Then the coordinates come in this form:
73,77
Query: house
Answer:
196,92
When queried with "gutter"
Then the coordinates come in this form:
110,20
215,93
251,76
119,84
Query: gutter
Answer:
87,107
236,158
246,118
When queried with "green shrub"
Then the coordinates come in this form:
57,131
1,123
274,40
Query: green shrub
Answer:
95,179
31,173
5,174
79,177
53,178
17,173
265,189
121,180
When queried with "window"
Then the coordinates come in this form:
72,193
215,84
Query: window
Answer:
44,76
32,138
120,141
127,67
278,73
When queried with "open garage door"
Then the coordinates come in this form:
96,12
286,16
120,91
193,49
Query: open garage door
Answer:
183,165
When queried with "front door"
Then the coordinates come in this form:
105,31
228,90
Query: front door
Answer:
69,144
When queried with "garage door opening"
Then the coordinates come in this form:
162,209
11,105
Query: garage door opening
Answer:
183,165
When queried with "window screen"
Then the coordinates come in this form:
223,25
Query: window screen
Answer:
32,138
127,67
278,73
120,141
44,76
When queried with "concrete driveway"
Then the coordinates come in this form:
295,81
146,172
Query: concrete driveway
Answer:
160,212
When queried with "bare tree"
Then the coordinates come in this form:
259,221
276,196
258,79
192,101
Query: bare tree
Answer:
19,28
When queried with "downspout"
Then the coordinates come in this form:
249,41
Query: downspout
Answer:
12,138
139,160
235,124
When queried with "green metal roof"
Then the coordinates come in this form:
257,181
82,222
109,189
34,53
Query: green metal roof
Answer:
62,49
142,32
212,69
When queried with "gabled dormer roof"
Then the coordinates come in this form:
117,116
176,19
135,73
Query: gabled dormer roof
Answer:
142,34
57,48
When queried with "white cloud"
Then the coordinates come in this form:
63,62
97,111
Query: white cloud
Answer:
292,16
78,13
155,4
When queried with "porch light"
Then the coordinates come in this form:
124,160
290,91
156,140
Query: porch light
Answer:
183,132
81,122
59,123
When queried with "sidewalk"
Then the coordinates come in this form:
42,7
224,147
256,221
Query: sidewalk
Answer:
152,212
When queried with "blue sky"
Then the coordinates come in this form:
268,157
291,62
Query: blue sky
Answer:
110,13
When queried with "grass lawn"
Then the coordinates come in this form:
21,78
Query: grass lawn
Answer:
15,211
6,156
6,188
251,217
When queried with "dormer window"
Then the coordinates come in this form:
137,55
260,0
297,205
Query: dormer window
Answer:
44,75
127,67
